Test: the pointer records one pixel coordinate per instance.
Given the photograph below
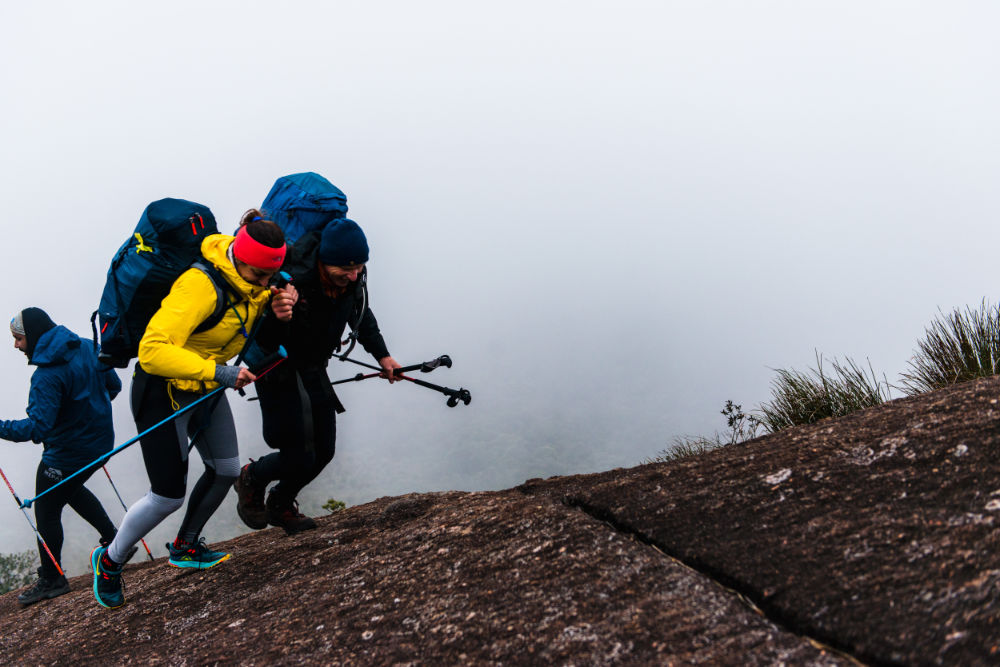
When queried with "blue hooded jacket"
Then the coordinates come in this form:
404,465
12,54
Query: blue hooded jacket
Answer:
69,404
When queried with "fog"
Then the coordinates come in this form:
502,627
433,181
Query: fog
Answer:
613,216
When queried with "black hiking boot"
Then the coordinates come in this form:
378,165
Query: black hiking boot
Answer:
250,500
44,589
285,514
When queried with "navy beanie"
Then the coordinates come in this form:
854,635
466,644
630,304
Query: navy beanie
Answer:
36,322
343,244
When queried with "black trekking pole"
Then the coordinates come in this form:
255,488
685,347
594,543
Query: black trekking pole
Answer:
125,507
32,524
454,395
423,367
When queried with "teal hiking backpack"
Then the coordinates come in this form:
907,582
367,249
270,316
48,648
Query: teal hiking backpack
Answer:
165,243
301,203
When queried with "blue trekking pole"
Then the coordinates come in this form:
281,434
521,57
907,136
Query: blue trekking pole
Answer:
104,457
100,460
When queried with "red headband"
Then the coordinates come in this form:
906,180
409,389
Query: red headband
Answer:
256,254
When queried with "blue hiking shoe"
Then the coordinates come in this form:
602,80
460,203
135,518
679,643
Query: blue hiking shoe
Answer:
197,555
108,587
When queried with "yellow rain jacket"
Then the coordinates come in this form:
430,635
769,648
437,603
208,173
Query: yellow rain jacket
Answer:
171,349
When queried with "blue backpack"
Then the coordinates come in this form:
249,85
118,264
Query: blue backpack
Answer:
301,203
166,242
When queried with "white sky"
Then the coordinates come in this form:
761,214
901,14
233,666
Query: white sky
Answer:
614,216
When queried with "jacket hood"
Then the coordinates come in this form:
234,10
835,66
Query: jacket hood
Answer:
33,322
303,259
54,347
215,248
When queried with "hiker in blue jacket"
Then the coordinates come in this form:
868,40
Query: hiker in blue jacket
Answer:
69,412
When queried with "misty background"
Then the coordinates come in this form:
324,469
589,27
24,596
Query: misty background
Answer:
613,216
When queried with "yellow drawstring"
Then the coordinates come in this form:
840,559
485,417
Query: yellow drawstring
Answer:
173,403
142,244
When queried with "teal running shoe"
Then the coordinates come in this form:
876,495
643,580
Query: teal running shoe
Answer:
197,555
108,586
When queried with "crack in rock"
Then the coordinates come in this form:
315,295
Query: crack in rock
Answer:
747,596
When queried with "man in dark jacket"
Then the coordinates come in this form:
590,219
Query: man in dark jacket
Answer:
69,412
298,405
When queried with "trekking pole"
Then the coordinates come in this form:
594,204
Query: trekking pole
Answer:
32,524
125,507
279,280
423,367
131,441
357,378
268,364
454,395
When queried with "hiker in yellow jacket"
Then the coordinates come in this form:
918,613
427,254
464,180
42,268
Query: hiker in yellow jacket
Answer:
179,363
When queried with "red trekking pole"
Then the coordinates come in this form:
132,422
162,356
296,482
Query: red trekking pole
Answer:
32,524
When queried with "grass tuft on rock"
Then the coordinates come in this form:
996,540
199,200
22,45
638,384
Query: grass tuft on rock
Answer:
958,347
806,397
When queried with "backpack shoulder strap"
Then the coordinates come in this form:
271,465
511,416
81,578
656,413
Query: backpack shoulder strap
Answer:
223,291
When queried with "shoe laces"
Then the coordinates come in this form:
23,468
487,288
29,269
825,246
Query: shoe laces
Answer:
200,546
293,509
191,547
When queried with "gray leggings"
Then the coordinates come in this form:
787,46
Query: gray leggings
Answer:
165,454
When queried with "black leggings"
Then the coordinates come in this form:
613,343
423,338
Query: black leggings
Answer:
298,411
165,450
48,512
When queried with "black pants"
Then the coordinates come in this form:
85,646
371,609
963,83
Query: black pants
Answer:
209,427
48,512
298,411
